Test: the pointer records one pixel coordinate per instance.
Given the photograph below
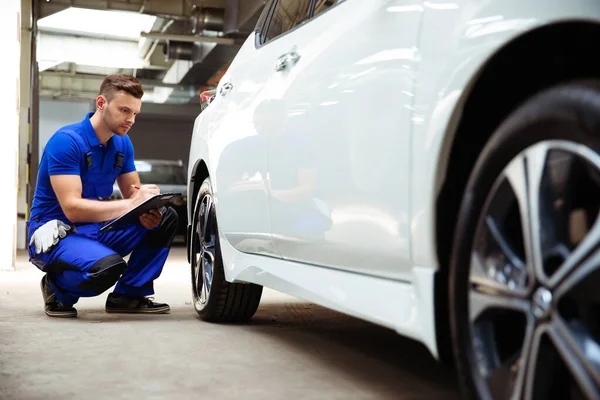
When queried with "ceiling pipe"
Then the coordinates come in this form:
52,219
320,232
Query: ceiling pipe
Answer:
178,50
207,19
188,38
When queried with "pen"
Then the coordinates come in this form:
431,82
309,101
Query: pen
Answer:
135,187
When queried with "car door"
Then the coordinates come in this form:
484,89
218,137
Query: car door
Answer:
338,120
236,148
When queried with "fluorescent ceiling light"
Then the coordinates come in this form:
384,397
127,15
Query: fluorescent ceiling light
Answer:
88,51
114,24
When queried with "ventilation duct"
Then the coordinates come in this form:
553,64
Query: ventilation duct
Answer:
207,19
173,50
206,59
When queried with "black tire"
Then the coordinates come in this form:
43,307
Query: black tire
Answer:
565,113
224,301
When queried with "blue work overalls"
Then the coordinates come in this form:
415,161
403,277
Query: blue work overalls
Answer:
86,262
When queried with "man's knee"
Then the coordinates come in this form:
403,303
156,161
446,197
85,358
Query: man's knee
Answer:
104,273
165,233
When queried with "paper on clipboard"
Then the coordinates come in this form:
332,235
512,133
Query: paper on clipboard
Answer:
132,216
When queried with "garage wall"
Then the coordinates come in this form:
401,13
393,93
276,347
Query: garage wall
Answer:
55,114
162,138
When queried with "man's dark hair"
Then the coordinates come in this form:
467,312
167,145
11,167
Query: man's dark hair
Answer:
113,84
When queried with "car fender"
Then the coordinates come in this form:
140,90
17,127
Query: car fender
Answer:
449,70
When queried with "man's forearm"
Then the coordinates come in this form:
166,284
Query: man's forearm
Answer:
84,210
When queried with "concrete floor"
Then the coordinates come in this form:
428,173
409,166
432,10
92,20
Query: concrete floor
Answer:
291,350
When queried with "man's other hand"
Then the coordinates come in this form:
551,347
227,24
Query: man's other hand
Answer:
48,235
151,219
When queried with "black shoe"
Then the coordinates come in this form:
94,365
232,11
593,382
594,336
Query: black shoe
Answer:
52,306
118,303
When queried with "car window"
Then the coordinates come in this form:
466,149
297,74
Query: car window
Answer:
287,15
324,5
161,174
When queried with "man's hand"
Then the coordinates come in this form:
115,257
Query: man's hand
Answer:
144,193
151,219
48,235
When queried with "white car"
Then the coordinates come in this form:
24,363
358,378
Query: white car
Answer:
430,166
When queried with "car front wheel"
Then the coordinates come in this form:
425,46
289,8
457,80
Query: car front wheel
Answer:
525,270
214,298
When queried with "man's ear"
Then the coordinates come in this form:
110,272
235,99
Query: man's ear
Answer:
101,103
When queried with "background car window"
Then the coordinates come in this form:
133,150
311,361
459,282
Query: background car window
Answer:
324,5
287,15
161,174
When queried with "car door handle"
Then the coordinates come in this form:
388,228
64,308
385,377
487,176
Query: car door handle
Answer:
226,88
287,60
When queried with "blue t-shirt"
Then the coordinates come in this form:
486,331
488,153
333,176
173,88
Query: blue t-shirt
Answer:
64,154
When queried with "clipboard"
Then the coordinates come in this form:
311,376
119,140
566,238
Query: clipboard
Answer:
132,216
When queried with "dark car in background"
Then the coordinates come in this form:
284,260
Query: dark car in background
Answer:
169,176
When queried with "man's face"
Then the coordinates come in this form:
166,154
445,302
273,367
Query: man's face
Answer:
120,112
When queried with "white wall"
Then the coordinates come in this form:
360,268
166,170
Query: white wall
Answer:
55,114
9,115
24,125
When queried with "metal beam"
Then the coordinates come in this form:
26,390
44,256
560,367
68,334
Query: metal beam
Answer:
100,36
188,38
94,81
65,85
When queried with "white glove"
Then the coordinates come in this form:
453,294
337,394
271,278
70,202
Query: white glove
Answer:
48,235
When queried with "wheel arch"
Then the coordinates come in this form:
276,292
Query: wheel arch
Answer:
540,58
198,174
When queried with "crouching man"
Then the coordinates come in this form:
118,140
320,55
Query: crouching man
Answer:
78,169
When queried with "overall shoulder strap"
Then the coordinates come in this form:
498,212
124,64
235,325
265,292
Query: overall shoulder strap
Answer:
83,146
120,153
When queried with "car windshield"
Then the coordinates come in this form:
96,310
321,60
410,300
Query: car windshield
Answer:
161,174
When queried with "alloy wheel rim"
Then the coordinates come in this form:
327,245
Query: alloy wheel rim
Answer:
205,255
534,277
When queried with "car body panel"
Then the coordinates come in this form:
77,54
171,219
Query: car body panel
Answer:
371,298
473,31
455,40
